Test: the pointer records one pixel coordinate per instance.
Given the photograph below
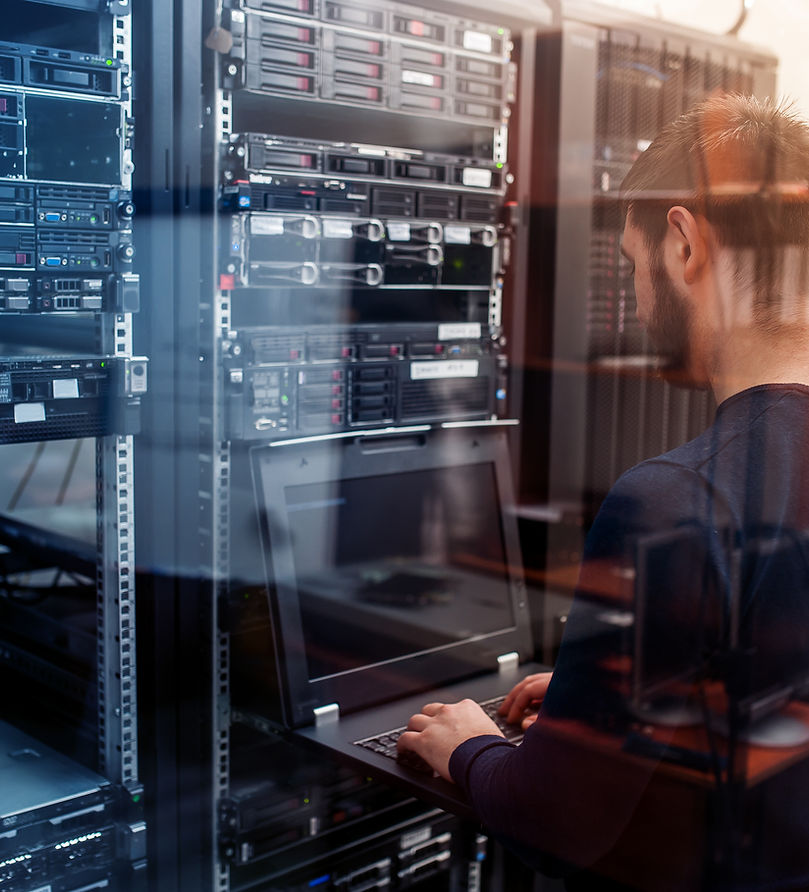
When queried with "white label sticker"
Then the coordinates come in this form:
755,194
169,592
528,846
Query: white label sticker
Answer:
453,368
399,232
267,225
418,77
24,412
452,331
415,837
477,176
376,151
474,40
337,229
66,388
457,235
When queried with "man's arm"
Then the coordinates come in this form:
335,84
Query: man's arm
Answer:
546,794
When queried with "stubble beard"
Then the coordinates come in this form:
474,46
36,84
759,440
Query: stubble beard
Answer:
669,331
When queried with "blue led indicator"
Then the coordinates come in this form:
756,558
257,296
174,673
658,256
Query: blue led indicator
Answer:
319,880
501,394
244,201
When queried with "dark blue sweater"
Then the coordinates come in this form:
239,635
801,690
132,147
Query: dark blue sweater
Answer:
744,481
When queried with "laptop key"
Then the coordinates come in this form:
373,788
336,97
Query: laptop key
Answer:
412,760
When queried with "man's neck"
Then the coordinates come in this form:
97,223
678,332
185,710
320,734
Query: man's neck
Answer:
748,359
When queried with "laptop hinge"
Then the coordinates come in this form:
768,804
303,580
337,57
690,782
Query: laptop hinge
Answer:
508,662
325,715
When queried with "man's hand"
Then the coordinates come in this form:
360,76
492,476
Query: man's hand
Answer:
434,732
523,700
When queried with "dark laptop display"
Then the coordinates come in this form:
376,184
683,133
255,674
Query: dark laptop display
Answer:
393,565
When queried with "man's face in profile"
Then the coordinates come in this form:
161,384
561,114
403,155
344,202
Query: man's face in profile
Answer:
661,310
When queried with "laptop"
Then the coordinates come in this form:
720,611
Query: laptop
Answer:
394,571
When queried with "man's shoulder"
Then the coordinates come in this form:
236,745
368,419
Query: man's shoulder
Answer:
672,470
659,493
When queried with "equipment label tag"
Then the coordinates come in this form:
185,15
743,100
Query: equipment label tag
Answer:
451,331
453,368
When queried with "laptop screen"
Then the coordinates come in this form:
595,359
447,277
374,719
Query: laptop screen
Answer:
418,555
392,564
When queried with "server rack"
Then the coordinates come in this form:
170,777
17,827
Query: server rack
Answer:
68,293
621,79
357,155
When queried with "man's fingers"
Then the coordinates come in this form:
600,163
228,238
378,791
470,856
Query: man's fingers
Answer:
523,696
407,740
432,708
418,722
529,695
505,706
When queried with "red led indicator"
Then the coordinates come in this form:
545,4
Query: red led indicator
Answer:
307,192
394,351
304,6
304,35
294,354
3,105
335,404
416,28
227,282
373,93
346,351
22,259
335,375
375,48
438,59
335,419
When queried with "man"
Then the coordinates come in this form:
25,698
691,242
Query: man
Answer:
717,228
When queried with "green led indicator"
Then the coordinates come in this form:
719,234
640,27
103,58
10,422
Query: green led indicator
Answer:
499,165
306,802
136,797
109,63
284,400
501,31
103,364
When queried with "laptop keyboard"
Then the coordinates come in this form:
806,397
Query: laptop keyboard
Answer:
385,743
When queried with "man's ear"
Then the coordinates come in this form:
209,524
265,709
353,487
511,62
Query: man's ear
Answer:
689,237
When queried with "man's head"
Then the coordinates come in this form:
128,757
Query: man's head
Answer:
720,201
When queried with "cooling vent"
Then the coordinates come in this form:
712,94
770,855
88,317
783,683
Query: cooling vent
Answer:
445,399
